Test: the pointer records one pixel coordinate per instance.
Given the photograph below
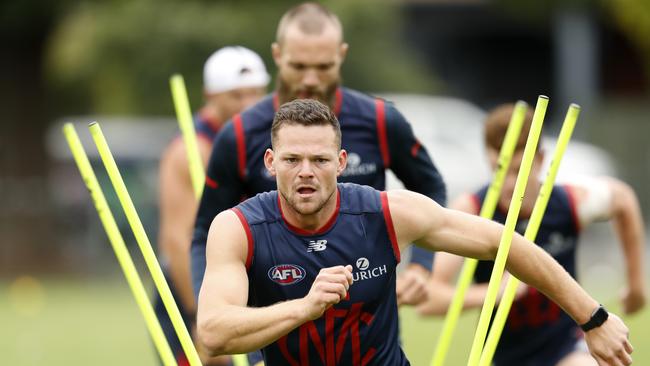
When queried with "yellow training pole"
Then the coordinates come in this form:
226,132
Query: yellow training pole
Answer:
144,244
531,232
506,237
184,116
195,163
117,242
487,211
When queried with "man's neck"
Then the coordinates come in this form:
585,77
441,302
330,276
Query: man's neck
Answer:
527,204
312,222
209,114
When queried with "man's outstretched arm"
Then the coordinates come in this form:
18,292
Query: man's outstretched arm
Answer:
225,324
418,219
628,223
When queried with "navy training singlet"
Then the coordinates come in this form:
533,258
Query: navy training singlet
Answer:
536,325
283,262
375,134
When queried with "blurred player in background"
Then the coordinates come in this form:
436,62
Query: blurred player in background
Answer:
233,79
537,331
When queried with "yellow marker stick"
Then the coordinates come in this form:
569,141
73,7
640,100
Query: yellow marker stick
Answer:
117,242
487,211
241,360
195,163
144,244
531,232
184,116
506,237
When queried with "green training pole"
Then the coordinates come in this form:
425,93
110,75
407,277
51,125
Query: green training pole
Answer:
186,125
144,244
531,233
117,242
487,211
506,237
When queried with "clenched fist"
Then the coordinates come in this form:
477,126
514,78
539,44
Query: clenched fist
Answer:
329,288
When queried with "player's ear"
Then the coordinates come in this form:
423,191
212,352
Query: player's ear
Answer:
343,162
268,161
493,158
343,50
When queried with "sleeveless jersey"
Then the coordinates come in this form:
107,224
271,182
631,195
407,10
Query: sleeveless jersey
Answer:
362,120
205,126
374,133
283,262
536,324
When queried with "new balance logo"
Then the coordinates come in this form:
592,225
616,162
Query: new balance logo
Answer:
317,245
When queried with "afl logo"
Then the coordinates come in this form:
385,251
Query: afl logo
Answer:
286,274
363,263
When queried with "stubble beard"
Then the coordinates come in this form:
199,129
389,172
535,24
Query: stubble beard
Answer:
295,206
286,94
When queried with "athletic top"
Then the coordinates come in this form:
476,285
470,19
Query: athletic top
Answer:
205,126
535,321
375,135
283,262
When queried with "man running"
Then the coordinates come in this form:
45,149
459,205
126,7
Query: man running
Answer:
265,287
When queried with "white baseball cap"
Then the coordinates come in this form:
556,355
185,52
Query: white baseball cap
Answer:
234,67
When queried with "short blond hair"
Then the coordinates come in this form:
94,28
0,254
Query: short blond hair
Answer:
311,18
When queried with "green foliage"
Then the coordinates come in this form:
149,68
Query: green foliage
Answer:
117,56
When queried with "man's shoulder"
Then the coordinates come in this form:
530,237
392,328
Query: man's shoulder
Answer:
260,208
356,198
366,106
357,96
357,105
258,115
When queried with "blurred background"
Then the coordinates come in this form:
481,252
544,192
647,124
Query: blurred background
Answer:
63,299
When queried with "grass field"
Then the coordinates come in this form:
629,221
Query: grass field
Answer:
96,322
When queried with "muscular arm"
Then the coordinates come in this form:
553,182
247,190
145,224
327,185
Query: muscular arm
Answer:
178,205
628,223
417,219
608,198
225,324
442,283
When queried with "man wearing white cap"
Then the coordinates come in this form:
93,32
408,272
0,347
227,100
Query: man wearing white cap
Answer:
233,78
